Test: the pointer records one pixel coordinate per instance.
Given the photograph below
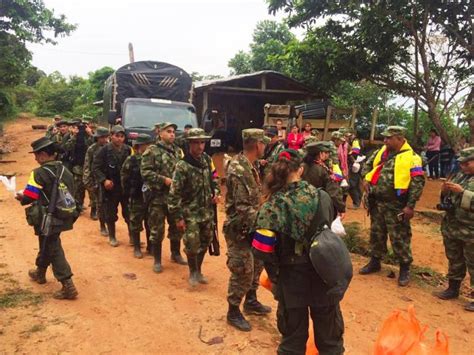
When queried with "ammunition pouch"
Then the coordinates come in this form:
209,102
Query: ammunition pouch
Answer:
34,214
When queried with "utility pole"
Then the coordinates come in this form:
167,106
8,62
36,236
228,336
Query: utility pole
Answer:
130,53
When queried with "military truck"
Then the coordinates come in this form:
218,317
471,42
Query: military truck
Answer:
141,94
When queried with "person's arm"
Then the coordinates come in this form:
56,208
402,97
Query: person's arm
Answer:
176,192
246,211
97,165
125,174
148,170
32,190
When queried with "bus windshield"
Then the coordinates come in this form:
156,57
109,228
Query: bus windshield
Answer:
147,114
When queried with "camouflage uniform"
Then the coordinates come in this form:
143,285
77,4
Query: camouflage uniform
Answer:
383,215
286,217
89,181
457,228
271,155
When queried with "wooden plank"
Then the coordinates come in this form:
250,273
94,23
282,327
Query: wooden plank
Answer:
7,161
327,121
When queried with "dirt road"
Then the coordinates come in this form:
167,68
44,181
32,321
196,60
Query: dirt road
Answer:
123,307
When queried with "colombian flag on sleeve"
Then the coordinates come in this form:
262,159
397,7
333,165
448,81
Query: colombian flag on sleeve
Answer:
214,171
32,189
355,147
263,244
337,173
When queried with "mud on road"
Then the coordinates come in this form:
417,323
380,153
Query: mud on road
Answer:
124,307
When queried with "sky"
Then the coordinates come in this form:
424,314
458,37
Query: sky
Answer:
198,36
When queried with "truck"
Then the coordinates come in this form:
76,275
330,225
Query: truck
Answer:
141,94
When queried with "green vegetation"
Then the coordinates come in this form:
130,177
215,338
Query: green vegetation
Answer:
14,297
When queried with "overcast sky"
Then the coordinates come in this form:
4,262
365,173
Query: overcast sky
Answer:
197,35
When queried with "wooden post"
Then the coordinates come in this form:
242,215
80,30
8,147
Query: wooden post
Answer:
326,122
205,101
264,82
375,115
353,116
131,55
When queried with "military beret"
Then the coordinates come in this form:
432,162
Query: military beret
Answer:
271,131
316,147
101,132
197,133
165,125
466,155
255,133
117,129
40,143
142,138
394,131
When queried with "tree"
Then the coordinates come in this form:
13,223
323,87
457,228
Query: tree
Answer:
380,41
97,79
240,63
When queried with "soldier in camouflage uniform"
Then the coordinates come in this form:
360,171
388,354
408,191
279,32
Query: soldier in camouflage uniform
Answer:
101,137
392,201
242,201
272,150
106,168
81,137
191,200
132,184
52,128
157,167
281,229
457,227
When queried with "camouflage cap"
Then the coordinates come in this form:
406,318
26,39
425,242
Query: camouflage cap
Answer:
117,129
40,143
75,122
142,138
271,131
394,131
255,133
165,125
347,131
315,148
101,132
58,117
338,135
290,155
62,123
197,133
466,155
310,139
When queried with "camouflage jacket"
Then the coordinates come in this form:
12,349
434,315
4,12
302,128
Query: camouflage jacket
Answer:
130,176
87,176
194,184
158,163
108,162
462,215
385,191
243,197
271,156
77,152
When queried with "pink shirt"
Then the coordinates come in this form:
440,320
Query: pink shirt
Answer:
434,144
295,141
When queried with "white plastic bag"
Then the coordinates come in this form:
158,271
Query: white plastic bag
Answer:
355,167
337,227
344,183
10,183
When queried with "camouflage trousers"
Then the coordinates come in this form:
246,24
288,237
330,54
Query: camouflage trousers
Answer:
138,214
157,213
459,249
79,189
244,270
198,236
95,201
384,223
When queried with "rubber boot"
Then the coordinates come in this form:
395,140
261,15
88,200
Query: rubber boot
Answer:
94,213
236,319
157,255
253,306
67,292
451,292
130,235
148,243
200,277
193,273
404,276
175,253
38,275
373,266
137,253
103,229
112,239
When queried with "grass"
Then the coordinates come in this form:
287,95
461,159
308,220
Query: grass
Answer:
36,328
14,297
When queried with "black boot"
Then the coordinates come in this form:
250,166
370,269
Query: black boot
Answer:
253,306
112,239
236,319
175,253
148,243
157,255
200,277
193,273
38,275
451,292
404,276
373,266
137,253
103,229
94,213
67,292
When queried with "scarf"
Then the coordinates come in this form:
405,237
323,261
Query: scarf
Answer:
342,155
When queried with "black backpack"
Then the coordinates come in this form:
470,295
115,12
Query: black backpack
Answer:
65,204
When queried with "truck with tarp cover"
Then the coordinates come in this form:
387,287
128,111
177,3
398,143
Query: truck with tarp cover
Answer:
142,94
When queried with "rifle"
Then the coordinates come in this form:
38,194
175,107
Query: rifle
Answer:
46,223
214,247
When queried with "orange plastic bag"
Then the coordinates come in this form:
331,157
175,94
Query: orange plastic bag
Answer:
310,346
402,336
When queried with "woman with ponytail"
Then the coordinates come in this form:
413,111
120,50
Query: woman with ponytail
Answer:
281,239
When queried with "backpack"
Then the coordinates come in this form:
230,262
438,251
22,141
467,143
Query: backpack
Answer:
65,204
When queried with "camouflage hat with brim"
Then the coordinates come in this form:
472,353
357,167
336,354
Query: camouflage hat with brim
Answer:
165,125
271,131
315,148
255,133
394,131
347,131
75,122
40,144
310,139
101,132
466,155
338,135
142,138
197,134
117,129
